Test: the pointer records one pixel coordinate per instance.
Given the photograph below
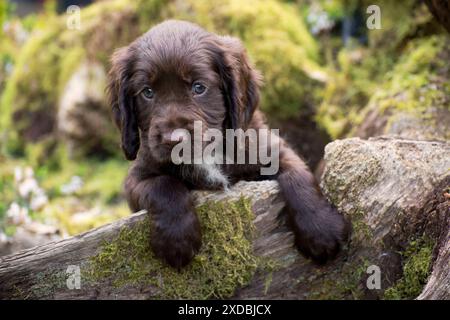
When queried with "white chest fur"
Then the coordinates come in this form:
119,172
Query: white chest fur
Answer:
212,175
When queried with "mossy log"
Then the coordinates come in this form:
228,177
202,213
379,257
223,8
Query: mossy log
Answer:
396,193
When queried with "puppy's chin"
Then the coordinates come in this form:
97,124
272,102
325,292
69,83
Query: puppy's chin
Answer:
161,154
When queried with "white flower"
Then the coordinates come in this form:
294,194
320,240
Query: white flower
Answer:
29,172
39,200
17,214
27,187
14,210
18,174
29,190
319,20
74,185
3,237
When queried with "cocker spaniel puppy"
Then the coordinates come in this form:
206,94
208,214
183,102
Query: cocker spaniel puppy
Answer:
175,75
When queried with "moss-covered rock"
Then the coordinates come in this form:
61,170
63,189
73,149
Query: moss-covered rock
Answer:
365,179
413,101
398,64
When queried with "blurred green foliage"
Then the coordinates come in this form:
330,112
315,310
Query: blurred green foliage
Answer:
358,73
274,33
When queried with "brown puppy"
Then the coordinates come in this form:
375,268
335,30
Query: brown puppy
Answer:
178,73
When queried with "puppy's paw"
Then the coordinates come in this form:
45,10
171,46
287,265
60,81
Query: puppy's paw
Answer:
319,234
178,240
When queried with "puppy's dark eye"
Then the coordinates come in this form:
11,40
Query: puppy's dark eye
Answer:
147,93
198,88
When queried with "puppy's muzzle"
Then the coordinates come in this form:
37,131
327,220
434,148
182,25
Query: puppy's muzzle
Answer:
165,133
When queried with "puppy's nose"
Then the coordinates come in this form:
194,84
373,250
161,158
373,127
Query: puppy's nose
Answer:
173,138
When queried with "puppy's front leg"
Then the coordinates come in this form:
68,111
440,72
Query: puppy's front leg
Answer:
177,235
319,229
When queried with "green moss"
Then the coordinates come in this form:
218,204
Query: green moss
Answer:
412,85
347,283
416,269
408,85
361,231
414,91
224,263
46,283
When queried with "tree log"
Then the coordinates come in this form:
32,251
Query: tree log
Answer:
394,191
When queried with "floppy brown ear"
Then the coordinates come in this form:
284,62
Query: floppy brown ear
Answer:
121,101
240,81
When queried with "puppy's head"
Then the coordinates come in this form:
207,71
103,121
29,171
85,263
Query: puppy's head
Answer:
173,75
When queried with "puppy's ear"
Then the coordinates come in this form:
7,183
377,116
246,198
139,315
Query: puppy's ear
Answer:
122,102
239,79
